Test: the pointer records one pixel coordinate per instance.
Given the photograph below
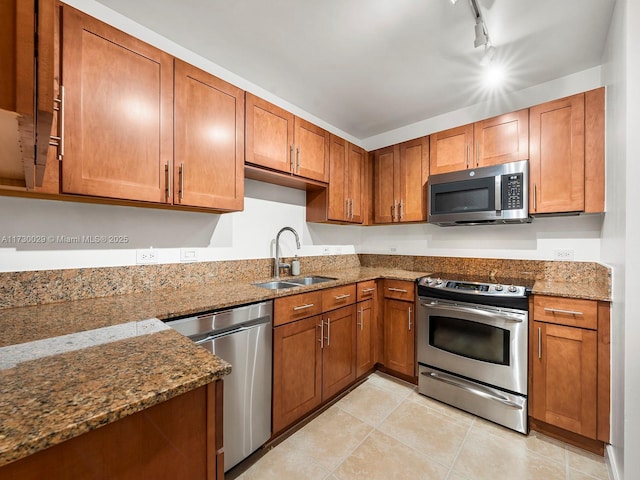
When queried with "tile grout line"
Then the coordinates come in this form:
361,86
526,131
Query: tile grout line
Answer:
455,457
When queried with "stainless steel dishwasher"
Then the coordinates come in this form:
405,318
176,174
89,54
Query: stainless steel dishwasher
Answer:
241,336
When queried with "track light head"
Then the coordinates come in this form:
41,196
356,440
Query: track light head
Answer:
481,34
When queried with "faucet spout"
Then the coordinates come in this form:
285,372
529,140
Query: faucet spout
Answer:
277,264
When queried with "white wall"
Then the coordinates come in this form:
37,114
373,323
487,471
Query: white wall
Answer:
621,234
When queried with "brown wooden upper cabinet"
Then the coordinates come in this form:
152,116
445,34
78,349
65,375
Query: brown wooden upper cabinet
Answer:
27,90
346,169
500,139
208,166
118,112
400,177
567,154
144,129
280,141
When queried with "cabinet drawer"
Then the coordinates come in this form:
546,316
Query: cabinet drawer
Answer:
337,297
295,307
572,312
365,290
399,290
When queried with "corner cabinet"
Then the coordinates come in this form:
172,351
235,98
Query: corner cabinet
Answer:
569,371
400,177
567,154
496,140
280,141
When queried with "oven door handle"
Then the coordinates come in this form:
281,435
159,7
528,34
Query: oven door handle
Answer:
475,389
487,313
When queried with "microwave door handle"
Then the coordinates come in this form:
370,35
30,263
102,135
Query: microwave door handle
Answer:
498,193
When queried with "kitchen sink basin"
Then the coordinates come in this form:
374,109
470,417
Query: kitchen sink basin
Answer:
311,280
275,285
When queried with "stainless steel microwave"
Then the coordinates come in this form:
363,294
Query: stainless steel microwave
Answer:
480,196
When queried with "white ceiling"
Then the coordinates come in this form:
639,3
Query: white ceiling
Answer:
370,66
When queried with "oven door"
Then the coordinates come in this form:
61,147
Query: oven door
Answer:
483,343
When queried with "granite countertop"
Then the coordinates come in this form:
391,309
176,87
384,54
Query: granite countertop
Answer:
67,368
587,291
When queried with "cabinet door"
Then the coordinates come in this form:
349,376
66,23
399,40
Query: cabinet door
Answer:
365,337
297,371
118,112
338,191
451,150
269,135
399,336
209,140
354,181
339,352
312,151
564,374
414,171
502,139
383,184
557,156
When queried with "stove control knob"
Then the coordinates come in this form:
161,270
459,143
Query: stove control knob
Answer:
499,288
512,289
428,280
438,281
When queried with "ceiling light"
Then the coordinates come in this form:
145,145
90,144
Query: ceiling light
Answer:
481,34
495,76
454,1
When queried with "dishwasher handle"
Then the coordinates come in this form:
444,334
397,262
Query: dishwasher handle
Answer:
226,333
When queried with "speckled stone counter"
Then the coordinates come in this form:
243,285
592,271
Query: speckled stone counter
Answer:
69,367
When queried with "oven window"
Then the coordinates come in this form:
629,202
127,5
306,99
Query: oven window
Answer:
470,339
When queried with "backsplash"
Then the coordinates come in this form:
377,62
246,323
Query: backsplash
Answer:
48,286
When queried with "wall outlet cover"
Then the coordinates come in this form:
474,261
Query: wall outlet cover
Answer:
146,256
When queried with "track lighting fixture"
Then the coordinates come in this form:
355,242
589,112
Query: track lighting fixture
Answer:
482,34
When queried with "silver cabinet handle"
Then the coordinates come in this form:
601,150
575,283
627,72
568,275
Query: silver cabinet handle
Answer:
321,334
401,209
409,318
342,297
302,307
291,158
477,154
468,153
479,390
167,179
393,211
367,290
535,197
401,290
361,322
539,342
58,141
328,331
298,159
181,193
564,312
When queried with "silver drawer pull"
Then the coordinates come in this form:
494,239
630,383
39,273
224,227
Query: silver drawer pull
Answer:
565,312
367,290
302,307
343,296
401,290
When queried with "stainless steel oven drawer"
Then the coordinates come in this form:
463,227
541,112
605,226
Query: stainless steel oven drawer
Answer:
496,405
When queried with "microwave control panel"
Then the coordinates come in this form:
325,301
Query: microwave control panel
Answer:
512,191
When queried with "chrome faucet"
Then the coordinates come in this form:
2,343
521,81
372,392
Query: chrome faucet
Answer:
277,265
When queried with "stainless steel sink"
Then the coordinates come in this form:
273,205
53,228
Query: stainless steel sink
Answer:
275,285
294,282
311,280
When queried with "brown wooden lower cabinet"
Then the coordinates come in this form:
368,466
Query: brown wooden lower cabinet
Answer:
399,337
179,438
569,370
365,337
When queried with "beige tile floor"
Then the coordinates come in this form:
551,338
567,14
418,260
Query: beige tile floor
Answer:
384,429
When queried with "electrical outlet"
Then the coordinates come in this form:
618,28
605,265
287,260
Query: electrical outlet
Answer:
393,249
188,255
563,254
338,250
146,256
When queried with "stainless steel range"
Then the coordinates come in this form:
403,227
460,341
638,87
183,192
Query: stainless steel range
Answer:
472,346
